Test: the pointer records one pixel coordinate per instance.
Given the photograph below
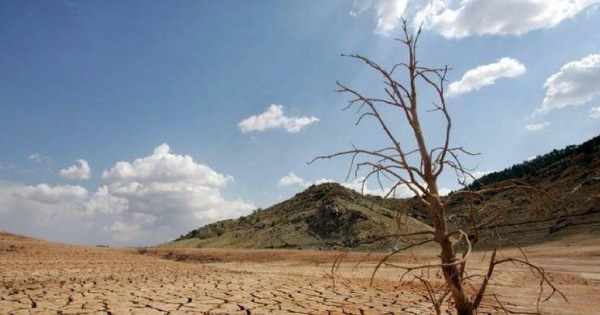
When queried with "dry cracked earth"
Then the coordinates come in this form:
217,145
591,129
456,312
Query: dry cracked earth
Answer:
38,277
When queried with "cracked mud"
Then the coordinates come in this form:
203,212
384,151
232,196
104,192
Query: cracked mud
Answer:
44,278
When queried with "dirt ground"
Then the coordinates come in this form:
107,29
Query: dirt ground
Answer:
39,277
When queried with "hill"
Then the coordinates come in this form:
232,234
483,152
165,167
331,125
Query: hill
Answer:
330,216
571,179
325,216
572,155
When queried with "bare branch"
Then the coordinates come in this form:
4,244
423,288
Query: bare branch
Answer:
418,168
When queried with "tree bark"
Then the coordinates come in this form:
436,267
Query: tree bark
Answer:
452,277
450,270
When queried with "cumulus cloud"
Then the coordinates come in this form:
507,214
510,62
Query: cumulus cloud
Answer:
388,13
485,75
458,19
50,212
53,194
164,167
292,179
123,232
103,202
81,171
170,193
274,118
537,127
146,201
576,83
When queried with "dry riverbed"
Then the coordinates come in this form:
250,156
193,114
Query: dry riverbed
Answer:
38,277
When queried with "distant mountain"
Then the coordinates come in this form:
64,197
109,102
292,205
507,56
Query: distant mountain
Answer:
330,216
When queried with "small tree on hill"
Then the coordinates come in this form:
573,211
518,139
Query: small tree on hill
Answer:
417,165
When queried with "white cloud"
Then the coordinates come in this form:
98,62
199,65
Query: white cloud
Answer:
356,185
81,171
124,232
147,201
274,118
39,158
44,193
576,83
103,202
388,12
457,19
322,181
537,127
292,179
444,191
49,212
424,16
164,167
485,75
479,174
595,112
177,193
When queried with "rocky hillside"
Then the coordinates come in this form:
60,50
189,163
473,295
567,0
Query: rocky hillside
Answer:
570,204
326,216
571,179
330,216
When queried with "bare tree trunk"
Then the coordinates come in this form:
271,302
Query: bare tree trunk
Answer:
453,278
450,268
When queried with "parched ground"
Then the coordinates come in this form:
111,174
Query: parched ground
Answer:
38,277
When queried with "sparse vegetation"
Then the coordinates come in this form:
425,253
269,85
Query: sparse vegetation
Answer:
142,250
538,163
324,216
579,212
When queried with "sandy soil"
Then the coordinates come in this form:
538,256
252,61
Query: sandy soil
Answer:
38,277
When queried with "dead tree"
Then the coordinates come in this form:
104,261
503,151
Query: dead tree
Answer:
417,165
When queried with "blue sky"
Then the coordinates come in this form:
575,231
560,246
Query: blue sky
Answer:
132,122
